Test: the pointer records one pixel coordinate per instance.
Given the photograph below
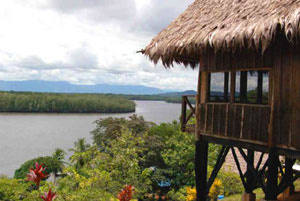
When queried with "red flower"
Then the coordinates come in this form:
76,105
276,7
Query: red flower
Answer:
126,193
36,175
49,196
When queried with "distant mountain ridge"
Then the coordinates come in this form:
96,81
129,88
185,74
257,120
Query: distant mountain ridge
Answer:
176,94
65,87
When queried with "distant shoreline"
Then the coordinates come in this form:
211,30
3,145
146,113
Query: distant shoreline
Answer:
12,112
31,102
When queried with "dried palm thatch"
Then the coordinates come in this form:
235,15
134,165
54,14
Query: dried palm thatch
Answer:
224,25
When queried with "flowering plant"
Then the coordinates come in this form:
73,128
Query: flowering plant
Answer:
36,174
49,196
126,193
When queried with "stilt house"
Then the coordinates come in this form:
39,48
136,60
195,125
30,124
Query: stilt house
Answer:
247,53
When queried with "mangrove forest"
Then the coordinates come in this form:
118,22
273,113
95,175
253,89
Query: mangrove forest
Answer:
64,103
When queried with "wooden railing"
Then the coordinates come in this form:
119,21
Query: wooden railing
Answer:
187,112
235,121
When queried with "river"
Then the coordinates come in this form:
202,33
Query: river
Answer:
24,136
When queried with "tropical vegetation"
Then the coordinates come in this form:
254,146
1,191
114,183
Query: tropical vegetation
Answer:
130,159
64,103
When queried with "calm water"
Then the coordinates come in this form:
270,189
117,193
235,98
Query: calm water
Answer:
26,136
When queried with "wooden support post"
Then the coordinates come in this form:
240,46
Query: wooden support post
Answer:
243,86
209,87
272,175
201,157
289,176
232,86
183,113
248,197
250,177
220,161
260,87
226,86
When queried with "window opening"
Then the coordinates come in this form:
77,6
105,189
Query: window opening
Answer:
252,87
218,87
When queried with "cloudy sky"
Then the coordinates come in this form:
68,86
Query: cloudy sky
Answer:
87,41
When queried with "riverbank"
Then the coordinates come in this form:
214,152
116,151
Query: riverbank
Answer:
28,135
165,98
29,102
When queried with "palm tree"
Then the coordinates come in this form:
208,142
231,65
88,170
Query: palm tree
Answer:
59,157
80,146
59,154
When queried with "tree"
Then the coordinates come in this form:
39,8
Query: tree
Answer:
59,155
178,154
110,129
80,146
47,161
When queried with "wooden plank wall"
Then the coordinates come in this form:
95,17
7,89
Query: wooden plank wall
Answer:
286,124
238,60
295,103
236,121
284,60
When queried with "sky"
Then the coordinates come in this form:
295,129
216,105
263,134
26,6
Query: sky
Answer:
88,42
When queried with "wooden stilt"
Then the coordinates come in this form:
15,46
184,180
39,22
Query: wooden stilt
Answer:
250,177
201,157
248,197
288,176
272,176
220,161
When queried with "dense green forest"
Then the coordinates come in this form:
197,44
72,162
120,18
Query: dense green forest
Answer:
157,160
168,99
64,103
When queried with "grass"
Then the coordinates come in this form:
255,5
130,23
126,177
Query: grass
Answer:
259,194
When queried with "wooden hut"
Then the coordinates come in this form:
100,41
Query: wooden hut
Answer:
241,43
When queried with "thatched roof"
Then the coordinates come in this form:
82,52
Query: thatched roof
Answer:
224,25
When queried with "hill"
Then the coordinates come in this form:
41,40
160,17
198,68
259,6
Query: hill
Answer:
178,94
65,87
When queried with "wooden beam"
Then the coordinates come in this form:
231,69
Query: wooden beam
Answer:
220,161
272,113
243,86
249,176
260,87
272,176
201,159
248,144
271,78
289,173
239,168
208,86
260,160
232,87
226,86
204,87
250,167
183,113
198,107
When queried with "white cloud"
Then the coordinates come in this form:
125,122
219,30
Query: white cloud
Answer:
87,42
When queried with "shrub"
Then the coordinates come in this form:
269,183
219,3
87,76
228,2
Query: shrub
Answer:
177,195
53,165
231,183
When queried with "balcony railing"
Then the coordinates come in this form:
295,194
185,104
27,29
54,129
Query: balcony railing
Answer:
232,120
187,113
